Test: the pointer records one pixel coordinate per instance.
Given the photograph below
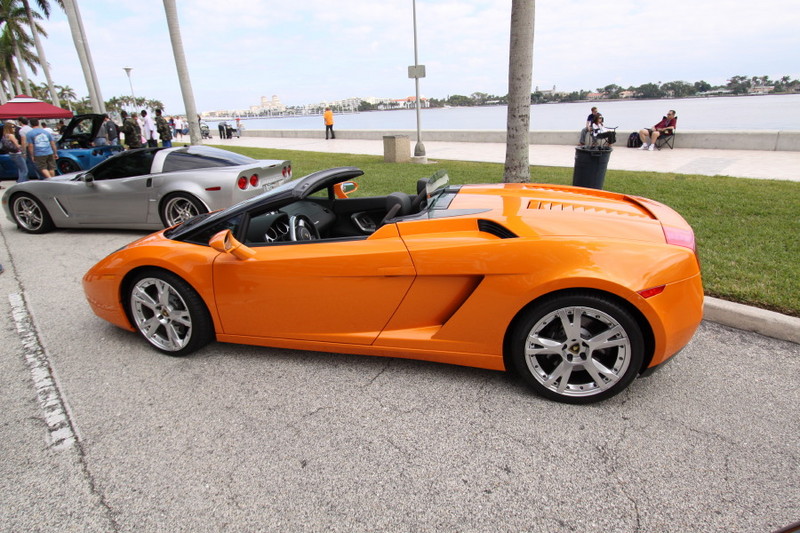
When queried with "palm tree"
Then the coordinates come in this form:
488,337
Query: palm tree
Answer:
66,93
183,70
15,36
520,73
44,5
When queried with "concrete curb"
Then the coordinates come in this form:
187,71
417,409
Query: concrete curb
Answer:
761,321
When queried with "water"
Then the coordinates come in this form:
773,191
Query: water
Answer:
777,112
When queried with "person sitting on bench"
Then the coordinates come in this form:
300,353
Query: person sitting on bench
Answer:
649,136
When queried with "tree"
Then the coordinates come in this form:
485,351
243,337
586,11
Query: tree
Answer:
183,70
739,84
678,89
16,25
44,5
702,86
612,90
67,94
520,73
649,90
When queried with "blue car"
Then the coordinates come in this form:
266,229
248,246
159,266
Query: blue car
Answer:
75,150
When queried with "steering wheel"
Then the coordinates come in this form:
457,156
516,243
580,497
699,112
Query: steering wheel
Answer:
302,229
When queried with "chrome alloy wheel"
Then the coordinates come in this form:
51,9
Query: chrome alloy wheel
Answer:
577,351
28,213
178,210
161,314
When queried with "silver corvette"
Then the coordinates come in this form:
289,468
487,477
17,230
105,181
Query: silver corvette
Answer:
148,188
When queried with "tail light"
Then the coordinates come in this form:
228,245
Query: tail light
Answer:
242,183
287,171
680,237
254,180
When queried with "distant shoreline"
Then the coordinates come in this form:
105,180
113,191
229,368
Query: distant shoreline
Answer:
594,102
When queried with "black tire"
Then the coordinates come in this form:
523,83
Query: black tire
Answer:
178,327
177,208
30,215
65,166
578,361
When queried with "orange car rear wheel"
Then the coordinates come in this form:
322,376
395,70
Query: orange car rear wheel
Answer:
578,348
169,313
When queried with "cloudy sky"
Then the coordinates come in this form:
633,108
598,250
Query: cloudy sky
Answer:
308,51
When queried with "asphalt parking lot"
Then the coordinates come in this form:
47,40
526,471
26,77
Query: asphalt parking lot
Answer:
238,438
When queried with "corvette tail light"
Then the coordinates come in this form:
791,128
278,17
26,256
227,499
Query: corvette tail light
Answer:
287,171
242,183
254,180
680,237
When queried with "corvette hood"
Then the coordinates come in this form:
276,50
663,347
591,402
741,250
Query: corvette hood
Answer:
533,209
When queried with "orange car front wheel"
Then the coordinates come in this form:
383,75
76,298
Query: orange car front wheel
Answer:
578,348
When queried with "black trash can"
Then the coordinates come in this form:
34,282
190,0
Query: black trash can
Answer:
590,167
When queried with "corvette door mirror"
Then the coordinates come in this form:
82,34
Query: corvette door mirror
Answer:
343,189
225,242
87,178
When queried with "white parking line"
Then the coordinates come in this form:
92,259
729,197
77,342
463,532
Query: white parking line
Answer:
61,434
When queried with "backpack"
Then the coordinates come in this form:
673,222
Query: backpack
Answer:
633,140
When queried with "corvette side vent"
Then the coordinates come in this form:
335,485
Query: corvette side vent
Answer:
580,208
496,229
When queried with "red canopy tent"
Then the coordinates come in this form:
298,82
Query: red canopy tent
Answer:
26,106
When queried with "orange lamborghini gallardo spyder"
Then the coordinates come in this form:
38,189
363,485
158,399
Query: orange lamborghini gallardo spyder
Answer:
577,290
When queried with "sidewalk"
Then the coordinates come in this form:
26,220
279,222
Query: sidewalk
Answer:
738,163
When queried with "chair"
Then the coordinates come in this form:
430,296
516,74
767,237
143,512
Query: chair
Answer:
603,141
667,139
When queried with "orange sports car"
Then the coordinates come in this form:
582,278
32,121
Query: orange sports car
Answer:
577,290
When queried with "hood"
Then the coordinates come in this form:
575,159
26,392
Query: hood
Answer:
81,130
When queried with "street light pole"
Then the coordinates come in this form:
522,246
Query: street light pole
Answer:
418,72
128,72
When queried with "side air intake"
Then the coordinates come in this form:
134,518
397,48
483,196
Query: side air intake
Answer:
496,229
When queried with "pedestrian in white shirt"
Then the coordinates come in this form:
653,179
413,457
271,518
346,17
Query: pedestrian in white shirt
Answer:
149,130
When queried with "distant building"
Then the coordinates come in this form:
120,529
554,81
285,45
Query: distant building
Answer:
595,96
627,94
410,102
761,89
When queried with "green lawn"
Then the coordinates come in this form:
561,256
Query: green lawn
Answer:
748,231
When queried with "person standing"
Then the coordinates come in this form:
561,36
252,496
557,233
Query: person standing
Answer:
130,127
22,133
164,130
588,127
42,147
328,118
112,131
178,127
12,147
101,139
149,130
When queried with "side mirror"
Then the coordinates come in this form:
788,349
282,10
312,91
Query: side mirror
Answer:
343,189
225,242
87,178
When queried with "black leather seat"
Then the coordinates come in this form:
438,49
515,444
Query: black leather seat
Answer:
398,204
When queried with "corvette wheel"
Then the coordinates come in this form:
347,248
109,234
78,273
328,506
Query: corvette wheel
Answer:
30,215
66,166
169,314
178,208
578,348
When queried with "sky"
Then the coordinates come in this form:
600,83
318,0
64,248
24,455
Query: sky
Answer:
313,51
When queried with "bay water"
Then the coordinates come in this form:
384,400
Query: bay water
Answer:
765,112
